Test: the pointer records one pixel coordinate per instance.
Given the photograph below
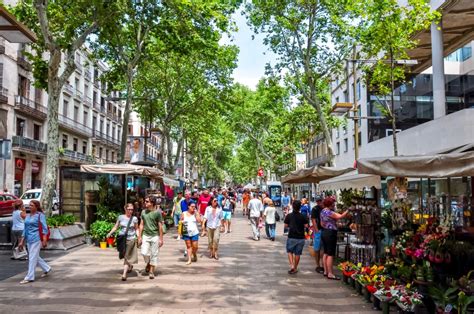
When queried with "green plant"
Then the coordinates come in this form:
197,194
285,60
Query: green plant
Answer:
463,302
105,214
100,229
441,296
61,220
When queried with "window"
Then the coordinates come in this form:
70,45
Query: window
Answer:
76,82
85,118
113,132
64,141
346,145
106,154
130,129
344,129
65,108
84,147
38,96
337,99
20,127
1,69
100,152
94,97
338,148
107,129
113,157
76,113
337,132
36,132
101,129
358,90
23,86
74,144
346,96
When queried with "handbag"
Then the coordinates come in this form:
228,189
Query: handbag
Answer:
122,241
40,229
277,216
17,254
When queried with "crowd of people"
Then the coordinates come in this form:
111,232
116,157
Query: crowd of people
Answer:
199,214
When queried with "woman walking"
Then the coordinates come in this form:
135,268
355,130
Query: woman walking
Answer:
35,235
190,220
213,218
128,225
329,236
18,225
270,221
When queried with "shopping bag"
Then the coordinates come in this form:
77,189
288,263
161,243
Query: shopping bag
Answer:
17,254
311,251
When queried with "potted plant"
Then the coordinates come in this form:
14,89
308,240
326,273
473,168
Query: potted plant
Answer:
99,231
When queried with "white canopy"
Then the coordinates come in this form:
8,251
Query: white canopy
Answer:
352,180
249,186
128,169
170,181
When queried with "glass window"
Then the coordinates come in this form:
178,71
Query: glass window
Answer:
37,132
346,145
338,148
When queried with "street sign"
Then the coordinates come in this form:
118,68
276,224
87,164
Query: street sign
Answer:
5,149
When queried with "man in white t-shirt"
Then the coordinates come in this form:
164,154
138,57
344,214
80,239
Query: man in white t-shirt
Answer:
255,213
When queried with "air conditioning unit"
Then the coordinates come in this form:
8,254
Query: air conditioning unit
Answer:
389,132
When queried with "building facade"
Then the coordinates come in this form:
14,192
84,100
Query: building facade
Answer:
89,124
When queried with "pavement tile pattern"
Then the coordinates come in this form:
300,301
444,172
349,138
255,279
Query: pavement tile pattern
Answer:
250,276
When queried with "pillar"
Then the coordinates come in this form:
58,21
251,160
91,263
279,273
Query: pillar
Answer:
439,92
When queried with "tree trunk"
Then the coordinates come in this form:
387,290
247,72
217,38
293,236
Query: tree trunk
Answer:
52,160
126,114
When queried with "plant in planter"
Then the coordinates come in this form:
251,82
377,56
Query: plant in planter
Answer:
60,220
100,229
442,297
463,302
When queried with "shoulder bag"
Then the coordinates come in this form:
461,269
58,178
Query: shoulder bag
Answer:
122,240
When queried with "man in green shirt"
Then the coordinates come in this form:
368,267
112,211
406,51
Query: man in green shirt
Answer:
151,226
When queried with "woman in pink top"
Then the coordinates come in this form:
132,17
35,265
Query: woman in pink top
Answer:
203,202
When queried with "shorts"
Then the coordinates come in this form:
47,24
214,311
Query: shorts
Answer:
226,215
317,241
193,238
295,246
329,241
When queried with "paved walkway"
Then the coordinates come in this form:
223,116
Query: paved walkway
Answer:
249,277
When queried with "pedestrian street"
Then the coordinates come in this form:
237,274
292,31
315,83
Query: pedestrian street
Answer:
250,276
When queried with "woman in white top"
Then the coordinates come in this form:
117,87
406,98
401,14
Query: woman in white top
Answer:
190,232
270,221
213,217
18,224
131,255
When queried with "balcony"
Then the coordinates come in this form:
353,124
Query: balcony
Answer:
78,94
22,61
88,101
3,95
26,144
98,136
30,107
103,110
68,89
96,83
78,66
88,75
73,156
74,126
96,106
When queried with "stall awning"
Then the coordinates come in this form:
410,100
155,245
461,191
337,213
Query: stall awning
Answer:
170,182
314,174
350,180
423,166
127,169
250,186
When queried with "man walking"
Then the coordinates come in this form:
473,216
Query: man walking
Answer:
150,235
317,228
255,213
296,223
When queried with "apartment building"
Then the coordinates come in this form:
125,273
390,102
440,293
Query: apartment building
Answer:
89,124
434,109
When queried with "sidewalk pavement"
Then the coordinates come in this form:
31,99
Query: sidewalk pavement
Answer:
250,276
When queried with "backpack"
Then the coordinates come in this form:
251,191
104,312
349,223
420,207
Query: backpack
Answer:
40,229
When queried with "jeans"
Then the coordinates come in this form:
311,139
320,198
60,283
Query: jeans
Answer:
254,222
270,230
176,218
34,259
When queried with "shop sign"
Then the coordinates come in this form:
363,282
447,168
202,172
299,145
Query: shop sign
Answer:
35,167
20,163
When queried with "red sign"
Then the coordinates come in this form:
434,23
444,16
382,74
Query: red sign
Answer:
35,167
20,163
260,172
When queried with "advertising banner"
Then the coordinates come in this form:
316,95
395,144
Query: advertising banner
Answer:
300,161
136,149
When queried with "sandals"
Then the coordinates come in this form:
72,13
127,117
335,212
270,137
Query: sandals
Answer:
216,257
333,278
129,270
152,276
292,271
124,278
25,282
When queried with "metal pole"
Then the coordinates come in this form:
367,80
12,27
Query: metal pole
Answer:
355,109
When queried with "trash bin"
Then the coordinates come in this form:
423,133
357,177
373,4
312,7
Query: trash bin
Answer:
5,231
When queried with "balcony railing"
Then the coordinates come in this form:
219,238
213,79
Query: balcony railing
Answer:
31,107
87,74
22,62
77,157
3,95
106,138
69,89
78,94
28,144
74,126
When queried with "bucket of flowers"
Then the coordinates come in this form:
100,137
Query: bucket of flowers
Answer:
407,298
348,269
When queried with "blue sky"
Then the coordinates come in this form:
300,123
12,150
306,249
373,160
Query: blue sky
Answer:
253,54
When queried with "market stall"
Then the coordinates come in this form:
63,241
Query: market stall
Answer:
427,217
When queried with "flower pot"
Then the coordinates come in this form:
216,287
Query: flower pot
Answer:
103,245
110,241
345,279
